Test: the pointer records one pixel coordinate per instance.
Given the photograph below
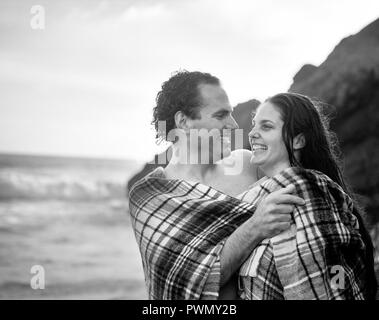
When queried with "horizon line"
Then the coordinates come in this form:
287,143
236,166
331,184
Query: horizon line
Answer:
69,156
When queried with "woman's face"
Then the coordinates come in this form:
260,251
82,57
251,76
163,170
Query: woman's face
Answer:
267,145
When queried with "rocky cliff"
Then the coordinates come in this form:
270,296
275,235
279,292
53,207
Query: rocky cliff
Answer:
348,80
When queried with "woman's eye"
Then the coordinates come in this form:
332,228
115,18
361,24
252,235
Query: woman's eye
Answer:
266,127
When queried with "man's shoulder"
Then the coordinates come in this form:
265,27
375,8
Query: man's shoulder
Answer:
143,183
239,160
236,173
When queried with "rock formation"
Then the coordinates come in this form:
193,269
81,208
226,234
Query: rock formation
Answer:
348,81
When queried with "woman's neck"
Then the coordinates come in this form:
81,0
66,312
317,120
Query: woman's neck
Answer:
272,170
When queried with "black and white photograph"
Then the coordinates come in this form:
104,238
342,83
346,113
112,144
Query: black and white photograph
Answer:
189,150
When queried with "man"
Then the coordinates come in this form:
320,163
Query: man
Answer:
193,238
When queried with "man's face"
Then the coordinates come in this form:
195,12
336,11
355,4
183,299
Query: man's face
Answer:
215,116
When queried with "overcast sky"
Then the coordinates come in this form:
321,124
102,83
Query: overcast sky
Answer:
86,84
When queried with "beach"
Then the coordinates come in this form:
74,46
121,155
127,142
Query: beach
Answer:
70,217
73,221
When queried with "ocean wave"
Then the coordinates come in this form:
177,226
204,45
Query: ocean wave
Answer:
69,186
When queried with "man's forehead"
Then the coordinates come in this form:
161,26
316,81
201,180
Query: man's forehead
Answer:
214,95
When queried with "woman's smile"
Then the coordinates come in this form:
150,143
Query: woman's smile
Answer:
258,147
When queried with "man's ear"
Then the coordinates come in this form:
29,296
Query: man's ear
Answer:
299,142
181,120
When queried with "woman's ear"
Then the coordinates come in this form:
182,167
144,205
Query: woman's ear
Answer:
299,142
181,120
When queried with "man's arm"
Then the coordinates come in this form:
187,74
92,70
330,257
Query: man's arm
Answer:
272,216
237,249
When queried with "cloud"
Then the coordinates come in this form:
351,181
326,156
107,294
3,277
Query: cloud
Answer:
92,75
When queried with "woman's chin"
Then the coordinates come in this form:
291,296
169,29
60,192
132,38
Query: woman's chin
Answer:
256,161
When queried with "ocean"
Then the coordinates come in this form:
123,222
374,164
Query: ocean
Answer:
65,230
69,217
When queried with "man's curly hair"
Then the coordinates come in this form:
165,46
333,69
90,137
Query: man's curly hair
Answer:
179,93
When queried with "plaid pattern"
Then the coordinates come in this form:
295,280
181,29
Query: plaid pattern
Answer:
180,228
322,242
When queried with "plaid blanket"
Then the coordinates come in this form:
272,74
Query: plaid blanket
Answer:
180,228
320,257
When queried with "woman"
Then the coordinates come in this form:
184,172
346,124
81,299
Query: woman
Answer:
327,252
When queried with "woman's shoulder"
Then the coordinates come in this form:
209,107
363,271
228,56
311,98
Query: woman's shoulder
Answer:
253,191
237,173
240,159
299,175
307,182
241,154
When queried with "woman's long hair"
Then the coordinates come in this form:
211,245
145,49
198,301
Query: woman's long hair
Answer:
321,153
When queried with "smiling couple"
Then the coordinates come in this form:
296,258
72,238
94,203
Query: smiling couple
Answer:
277,222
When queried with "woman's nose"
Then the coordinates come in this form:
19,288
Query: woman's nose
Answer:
253,134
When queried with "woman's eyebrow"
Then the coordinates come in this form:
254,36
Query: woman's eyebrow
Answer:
266,121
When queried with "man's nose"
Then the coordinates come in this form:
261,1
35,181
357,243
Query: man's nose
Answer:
232,124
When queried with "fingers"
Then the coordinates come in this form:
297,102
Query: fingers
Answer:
282,213
284,208
289,199
288,189
280,218
284,195
281,226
